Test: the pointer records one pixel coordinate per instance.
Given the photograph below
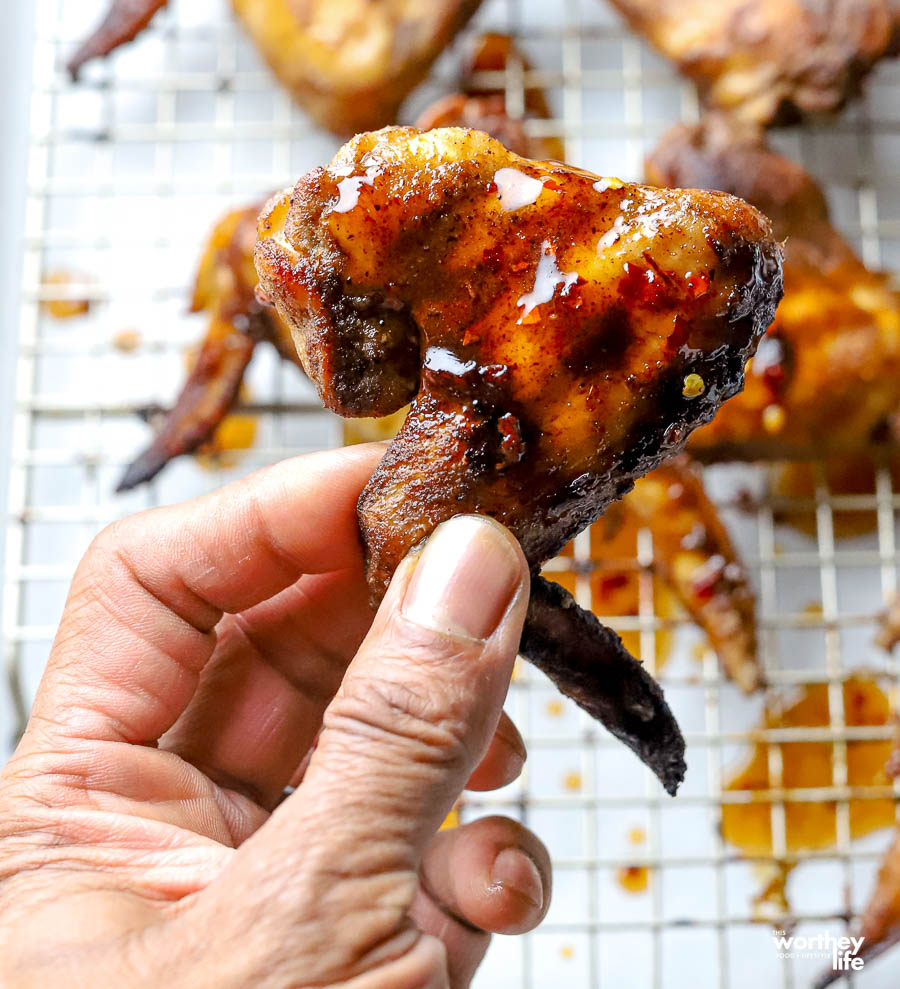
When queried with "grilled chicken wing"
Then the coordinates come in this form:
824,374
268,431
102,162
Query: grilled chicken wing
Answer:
225,287
826,377
770,61
349,63
481,107
557,335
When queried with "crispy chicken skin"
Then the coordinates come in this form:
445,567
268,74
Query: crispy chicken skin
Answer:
557,334
225,286
826,378
770,61
481,107
349,63
694,555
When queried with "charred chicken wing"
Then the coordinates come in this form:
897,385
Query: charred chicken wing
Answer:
557,334
826,377
349,63
770,61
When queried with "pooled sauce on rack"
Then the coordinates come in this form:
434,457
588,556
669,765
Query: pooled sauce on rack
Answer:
63,307
812,825
634,878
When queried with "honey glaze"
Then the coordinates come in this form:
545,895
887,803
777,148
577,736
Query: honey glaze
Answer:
349,188
515,189
634,878
546,279
812,825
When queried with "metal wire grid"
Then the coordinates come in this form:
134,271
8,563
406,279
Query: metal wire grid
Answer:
126,172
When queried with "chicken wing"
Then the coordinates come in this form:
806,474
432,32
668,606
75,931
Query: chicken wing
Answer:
557,334
225,287
694,555
826,377
484,108
770,61
349,63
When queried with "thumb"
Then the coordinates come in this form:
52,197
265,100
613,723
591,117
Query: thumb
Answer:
412,719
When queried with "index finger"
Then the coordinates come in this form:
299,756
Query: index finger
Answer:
139,623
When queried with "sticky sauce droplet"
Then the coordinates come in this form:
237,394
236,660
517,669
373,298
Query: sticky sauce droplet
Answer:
349,189
773,418
694,386
127,341
515,189
611,237
567,952
546,279
609,182
555,708
633,878
572,781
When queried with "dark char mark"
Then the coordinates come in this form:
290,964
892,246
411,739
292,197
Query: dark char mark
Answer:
588,662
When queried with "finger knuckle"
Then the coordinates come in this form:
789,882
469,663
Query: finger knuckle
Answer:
401,715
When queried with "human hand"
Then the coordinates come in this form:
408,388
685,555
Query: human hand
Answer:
209,655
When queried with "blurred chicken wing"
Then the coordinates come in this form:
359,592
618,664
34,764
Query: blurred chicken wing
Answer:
770,61
349,63
694,555
225,288
557,335
826,377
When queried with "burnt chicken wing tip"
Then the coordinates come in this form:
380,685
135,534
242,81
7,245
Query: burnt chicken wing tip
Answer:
123,22
557,335
575,651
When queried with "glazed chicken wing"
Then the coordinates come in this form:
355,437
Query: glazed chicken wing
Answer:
349,63
557,335
826,377
770,61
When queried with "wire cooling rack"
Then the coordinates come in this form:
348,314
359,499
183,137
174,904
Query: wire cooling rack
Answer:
127,172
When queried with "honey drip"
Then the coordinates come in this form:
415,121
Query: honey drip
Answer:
812,825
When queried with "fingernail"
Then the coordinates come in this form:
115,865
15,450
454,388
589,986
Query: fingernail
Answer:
465,578
514,870
510,737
